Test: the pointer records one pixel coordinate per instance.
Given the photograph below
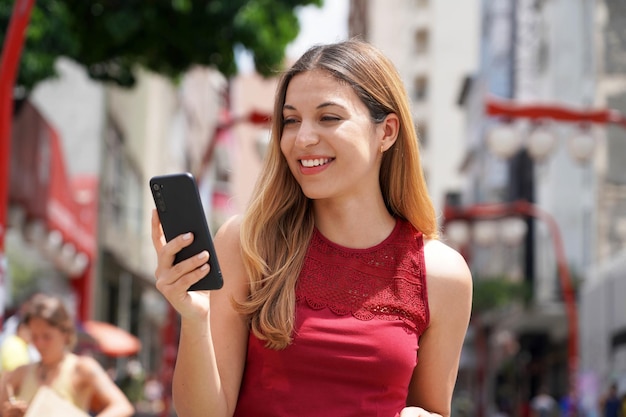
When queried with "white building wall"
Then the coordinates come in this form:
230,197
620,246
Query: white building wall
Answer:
249,93
452,53
602,316
456,34
74,105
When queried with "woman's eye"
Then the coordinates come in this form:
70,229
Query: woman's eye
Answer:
330,118
289,120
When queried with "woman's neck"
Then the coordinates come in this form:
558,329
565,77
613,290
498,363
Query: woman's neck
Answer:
48,369
356,225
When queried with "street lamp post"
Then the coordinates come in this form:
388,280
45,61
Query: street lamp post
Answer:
526,209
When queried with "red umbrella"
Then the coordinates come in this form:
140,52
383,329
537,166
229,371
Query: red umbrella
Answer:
112,340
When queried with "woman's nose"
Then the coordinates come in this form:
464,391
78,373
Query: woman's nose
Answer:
307,135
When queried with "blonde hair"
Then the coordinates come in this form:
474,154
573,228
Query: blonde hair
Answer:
278,224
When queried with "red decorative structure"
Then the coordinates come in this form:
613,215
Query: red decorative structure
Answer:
9,62
526,209
510,109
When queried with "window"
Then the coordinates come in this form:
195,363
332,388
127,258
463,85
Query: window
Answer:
121,184
420,88
421,41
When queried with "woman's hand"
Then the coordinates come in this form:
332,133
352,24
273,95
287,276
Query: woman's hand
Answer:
415,412
172,280
14,408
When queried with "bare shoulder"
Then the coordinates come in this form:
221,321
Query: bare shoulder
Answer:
229,232
444,262
87,365
449,280
228,241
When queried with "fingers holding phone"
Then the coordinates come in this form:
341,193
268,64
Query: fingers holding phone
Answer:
174,279
171,273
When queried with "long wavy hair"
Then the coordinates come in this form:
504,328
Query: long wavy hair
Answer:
278,223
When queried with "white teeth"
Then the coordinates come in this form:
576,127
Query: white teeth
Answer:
314,162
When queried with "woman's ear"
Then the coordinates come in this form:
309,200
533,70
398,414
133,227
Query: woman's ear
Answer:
390,128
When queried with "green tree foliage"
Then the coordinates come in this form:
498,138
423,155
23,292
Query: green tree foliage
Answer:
497,292
112,37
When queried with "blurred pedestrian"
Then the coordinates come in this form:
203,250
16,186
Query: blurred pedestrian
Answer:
132,381
14,350
569,405
610,404
14,326
543,404
153,394
334,276
78,379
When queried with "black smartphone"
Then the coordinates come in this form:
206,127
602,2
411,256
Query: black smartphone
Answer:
180,210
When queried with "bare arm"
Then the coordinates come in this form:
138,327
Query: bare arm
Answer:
213,339
9,405
450,300
108,399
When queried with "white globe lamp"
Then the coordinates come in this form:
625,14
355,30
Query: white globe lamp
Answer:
541,143
504,140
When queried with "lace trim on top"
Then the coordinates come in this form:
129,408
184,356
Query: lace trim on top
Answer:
386,281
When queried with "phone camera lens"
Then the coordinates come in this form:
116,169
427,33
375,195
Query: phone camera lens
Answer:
155,187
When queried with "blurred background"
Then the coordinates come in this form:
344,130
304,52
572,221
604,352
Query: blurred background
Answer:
520,106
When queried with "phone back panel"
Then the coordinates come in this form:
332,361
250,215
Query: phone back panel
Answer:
180,211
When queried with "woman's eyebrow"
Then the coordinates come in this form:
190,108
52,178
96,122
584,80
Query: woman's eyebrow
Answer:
320,106
329,104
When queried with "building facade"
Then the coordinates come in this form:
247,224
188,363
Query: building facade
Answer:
603,313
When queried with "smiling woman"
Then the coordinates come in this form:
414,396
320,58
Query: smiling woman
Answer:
336,256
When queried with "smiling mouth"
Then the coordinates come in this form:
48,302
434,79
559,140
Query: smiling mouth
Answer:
309,163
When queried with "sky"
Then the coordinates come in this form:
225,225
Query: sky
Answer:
317,25
328,24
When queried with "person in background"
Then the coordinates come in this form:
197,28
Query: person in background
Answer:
132,381
78,379
13,325
610,404
543,404
569,405
338,297
153,394
14,351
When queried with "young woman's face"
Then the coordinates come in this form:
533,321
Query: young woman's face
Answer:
50,341
330,143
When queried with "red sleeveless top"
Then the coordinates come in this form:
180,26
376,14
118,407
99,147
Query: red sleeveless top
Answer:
359,315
